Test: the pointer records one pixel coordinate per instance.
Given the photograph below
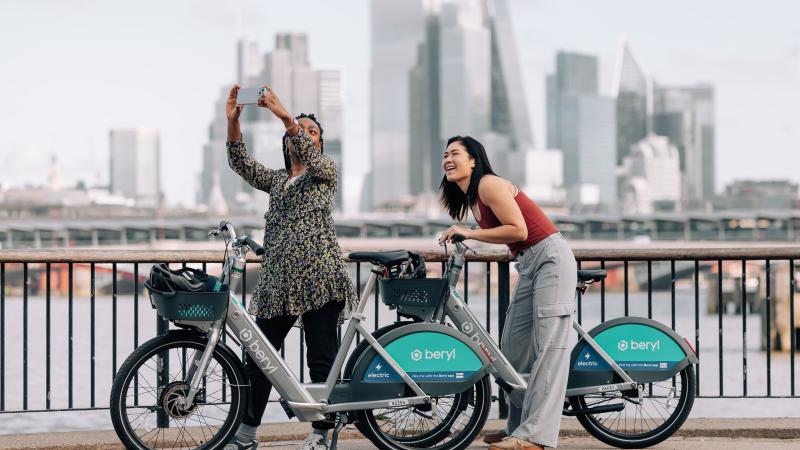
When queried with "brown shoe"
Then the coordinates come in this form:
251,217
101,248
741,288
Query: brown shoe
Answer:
513,443
490,437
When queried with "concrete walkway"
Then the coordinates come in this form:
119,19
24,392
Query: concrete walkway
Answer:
724,434
588,443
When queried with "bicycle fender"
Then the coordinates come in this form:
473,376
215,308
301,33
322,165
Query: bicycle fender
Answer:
647,350
441,359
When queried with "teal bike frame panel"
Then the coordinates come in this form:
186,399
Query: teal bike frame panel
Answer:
633,347
425,356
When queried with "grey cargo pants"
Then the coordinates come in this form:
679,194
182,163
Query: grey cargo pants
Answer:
536,335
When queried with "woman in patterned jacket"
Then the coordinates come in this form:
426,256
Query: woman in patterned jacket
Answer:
303,273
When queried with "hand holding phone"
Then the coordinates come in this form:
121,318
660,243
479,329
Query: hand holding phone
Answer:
249,96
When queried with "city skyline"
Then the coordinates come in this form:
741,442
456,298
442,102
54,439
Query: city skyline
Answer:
455,72
756,77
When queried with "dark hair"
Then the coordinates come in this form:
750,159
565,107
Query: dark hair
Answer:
453,199
287,161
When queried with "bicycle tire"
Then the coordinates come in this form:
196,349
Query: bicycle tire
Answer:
594,425
480,398
234,380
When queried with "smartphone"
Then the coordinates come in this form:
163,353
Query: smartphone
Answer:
249,96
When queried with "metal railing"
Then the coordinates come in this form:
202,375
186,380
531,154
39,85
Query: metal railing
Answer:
94,312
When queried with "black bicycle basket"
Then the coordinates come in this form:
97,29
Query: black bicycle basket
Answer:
424,292
207,304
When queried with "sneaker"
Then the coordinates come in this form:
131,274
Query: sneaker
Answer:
314,442
490,437
513,443
235,444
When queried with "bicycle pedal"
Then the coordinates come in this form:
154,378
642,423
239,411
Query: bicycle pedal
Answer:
286,409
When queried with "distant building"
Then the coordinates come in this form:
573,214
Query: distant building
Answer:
441,69
651,177
249,62
135,167
582,124
686,115
396,30
544,176
633,91
754,195
331,114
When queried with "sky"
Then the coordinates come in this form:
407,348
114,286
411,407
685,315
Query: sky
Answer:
74,69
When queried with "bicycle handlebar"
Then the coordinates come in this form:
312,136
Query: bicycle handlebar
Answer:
259,250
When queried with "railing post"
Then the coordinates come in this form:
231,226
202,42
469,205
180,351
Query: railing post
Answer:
503,294
162,325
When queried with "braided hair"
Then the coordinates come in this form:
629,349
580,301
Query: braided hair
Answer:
287,160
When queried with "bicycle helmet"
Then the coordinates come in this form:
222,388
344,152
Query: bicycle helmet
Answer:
186,279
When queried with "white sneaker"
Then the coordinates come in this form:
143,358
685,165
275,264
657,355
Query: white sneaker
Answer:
314,442
235,444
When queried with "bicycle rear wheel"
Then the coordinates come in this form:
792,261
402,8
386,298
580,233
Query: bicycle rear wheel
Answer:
145,397
451,423
664,407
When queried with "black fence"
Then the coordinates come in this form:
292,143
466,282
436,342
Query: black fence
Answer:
68,319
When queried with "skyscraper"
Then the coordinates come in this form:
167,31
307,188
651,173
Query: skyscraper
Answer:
651,177
397,28
575,74
686,116
135,167
582,124
462,78
248,62
330,114
425,135
465,84
632,89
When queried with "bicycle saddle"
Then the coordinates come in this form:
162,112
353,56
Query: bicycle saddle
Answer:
387,258
591,275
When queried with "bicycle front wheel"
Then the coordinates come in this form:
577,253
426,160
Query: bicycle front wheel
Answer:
663,408
146,397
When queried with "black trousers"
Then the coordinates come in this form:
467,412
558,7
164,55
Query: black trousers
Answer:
322,344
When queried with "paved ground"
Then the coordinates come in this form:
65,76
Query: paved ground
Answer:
723,434
588,443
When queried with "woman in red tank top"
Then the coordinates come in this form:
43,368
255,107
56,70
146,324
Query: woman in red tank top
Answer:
538,320
505,214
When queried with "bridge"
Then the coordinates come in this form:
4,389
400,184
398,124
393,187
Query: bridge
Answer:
726,226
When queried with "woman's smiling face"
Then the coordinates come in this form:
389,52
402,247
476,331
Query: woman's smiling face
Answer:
457,163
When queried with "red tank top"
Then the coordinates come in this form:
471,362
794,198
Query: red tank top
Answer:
539,225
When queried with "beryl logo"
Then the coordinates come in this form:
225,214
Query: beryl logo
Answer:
652,346
447,355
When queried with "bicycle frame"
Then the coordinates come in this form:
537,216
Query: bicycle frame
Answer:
463,318
307,401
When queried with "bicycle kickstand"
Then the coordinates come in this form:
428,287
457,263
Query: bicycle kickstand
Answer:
341,420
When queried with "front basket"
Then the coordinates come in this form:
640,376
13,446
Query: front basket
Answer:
424,292
197,306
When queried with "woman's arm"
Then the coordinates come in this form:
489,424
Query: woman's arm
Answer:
317,164
243,164
248,168
495,195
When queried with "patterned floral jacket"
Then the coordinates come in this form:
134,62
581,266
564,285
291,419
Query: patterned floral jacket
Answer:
303,267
